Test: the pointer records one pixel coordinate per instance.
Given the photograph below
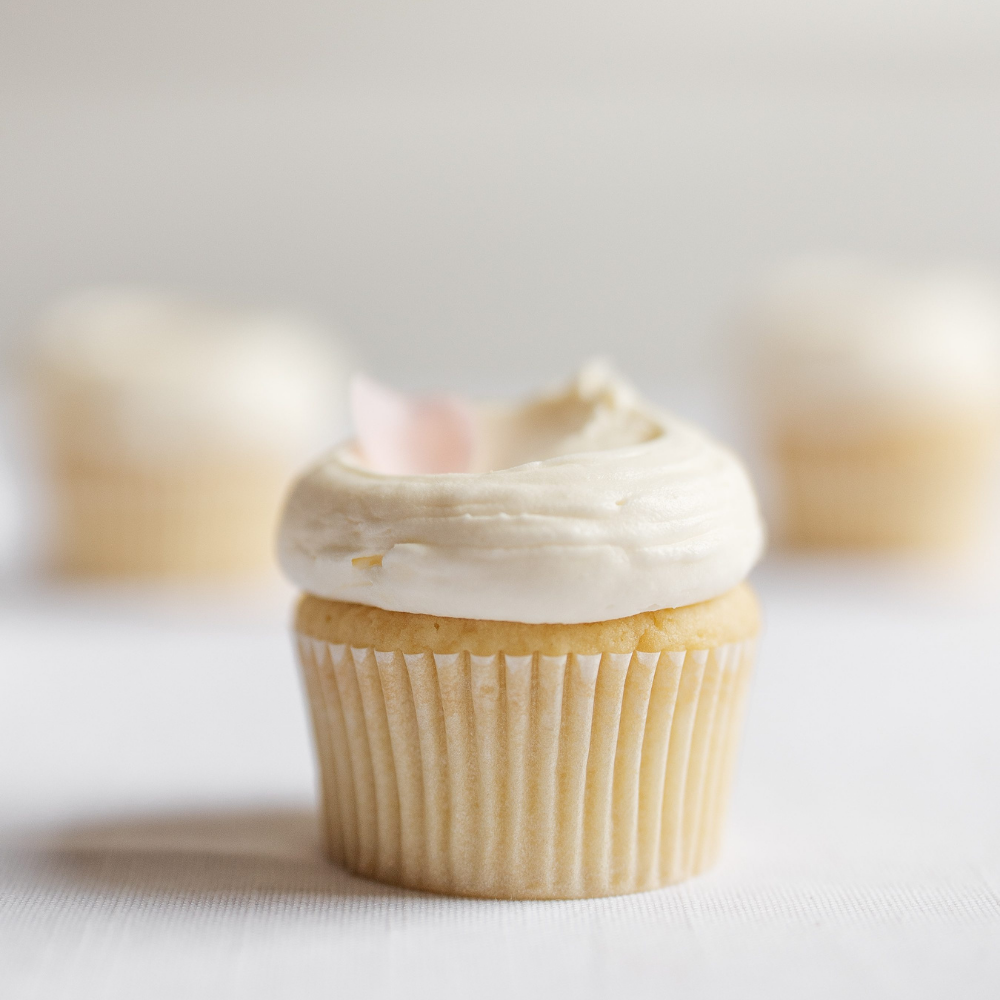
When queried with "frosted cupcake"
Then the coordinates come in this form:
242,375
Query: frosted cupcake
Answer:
526,639
171,427
879,391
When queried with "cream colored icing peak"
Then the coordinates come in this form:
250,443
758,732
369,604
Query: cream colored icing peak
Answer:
588,504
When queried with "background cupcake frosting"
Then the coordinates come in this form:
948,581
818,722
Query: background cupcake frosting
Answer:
832,336
160,376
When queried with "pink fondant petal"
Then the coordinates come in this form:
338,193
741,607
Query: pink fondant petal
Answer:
405,435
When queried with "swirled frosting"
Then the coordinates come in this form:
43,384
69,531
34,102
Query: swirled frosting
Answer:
585,505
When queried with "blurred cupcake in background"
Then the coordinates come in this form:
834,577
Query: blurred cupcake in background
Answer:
170,428
879,393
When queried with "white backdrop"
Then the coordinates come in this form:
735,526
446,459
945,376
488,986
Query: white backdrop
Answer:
475,191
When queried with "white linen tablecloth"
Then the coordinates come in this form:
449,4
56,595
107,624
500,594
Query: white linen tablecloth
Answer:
158,838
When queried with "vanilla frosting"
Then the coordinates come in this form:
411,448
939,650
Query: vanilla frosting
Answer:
585,505
152,377
847,341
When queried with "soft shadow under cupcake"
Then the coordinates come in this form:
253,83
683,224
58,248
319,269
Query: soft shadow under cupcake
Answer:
226,852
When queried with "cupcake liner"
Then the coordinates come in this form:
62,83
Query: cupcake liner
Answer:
923,489
843,502
525,776
123,521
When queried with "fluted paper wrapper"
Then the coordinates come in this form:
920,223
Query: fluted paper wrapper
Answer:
122,522
924,488
529,777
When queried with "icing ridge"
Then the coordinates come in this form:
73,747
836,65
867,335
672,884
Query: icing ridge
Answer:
613,508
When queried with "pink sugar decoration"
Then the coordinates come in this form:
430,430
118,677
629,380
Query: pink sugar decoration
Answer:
404,435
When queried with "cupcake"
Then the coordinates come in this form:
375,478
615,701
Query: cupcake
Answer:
170,428
879,394
526,640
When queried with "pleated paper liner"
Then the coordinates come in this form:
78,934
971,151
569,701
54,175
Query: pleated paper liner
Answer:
525,777
118,521
840,502
924,490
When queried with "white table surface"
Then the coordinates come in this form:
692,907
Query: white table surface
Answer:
157,834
